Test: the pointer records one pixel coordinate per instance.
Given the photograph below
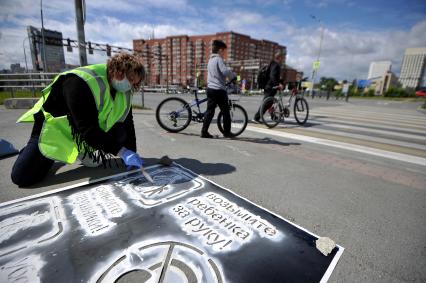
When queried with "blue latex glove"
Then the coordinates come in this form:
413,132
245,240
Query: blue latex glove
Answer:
132,159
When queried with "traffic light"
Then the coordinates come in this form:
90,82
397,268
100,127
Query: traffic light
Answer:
69,48
108,50
90,48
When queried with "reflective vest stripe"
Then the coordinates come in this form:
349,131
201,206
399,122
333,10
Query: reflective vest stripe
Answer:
124,116
101,84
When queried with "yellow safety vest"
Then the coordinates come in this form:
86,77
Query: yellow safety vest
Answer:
56,141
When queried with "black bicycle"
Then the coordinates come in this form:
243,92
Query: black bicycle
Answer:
174,114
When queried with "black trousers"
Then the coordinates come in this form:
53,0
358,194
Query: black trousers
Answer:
217,97
267,93
32,166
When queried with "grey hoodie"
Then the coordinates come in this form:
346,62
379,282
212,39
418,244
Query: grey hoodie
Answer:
217,72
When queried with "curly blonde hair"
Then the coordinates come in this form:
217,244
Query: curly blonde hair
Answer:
125,63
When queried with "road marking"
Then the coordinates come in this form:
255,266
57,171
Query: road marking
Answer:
420,121
369,125
373,111
148,125
156,132
351,140
365,137
376,131
371,121
236,149
347,146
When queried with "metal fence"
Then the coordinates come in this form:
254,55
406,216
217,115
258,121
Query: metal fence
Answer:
24,81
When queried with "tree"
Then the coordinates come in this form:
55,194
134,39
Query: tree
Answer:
328,83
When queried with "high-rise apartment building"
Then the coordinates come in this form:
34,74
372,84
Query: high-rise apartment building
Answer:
413,67
379,69
179,59
55,58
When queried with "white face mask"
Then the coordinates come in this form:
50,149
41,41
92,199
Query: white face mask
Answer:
122,86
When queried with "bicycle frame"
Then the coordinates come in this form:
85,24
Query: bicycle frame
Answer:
197,102
294,94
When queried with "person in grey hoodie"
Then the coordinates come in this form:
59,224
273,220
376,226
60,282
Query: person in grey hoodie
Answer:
216,90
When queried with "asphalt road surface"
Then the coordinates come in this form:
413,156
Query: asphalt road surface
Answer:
355,173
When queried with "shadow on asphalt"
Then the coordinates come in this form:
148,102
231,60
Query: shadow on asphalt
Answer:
83,173
291,124
8,155
205,168
264,140
77,173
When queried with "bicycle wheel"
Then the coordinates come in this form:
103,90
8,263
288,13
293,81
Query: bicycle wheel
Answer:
272,112
173,114
301,110
239,120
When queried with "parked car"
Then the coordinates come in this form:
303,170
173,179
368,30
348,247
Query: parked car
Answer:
421,92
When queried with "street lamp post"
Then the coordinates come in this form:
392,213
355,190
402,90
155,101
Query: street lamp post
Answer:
26,64
42,35
80,18
25,54
315,68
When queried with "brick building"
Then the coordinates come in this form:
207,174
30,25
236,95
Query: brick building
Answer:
291,75
178,59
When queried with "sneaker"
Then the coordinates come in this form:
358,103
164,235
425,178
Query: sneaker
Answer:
206,136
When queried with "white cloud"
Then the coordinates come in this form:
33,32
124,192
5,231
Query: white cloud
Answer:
346,52
137,6
242,19
119,34
326,3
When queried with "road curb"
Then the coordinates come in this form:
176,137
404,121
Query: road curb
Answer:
20,103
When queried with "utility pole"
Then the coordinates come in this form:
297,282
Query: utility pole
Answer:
25,54
315,69
80,18
42,36
26,64
167,72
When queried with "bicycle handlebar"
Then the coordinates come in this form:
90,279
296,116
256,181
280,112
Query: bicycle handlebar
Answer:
231,81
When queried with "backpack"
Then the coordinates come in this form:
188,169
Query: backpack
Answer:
263,76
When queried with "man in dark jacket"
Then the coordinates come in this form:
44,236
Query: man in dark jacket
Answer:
274,79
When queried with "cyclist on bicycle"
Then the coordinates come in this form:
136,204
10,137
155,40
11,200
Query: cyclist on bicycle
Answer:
274,80
216,90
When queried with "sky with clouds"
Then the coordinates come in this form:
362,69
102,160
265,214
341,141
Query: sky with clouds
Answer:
356,32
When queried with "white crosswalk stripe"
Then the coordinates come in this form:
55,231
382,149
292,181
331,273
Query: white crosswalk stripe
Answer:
388,131
347,146
393,134
371,138
368,125
405,127
373,119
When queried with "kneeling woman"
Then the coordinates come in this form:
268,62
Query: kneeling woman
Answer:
86,114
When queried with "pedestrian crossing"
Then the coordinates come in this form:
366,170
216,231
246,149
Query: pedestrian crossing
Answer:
401,132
